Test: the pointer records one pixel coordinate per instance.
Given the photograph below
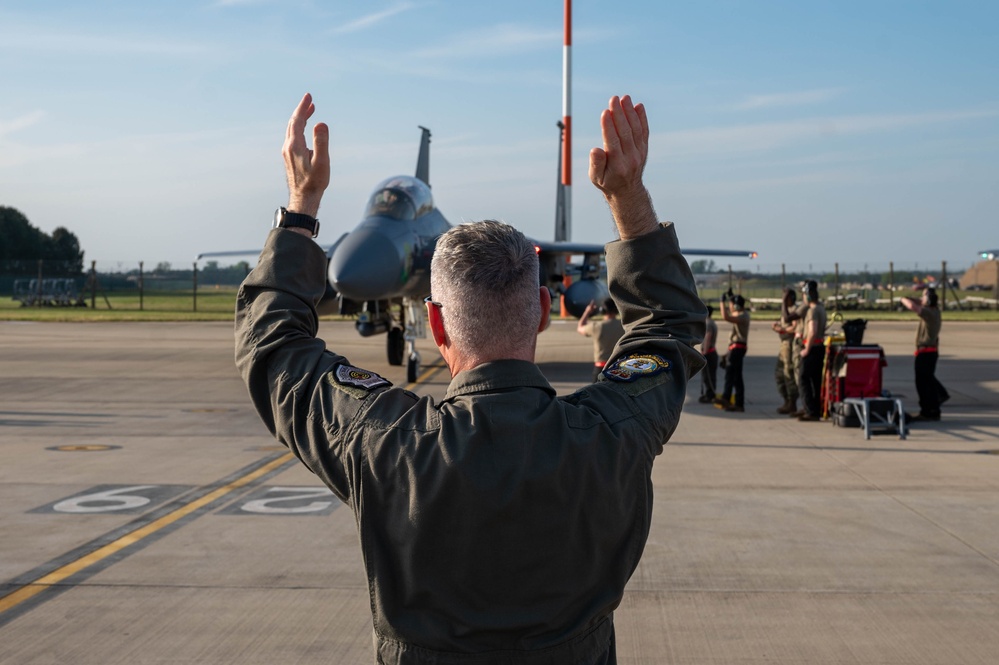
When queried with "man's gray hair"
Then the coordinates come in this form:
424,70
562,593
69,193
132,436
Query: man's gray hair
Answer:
485,275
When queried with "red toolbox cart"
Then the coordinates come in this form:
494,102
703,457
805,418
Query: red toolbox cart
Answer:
852,389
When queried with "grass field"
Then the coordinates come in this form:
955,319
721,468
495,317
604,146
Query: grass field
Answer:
210,305
218,304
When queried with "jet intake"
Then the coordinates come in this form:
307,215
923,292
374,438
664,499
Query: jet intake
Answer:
582,293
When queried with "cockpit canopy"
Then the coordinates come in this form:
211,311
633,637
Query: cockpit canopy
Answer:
402,197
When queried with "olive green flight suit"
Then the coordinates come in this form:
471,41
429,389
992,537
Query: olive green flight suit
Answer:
502,523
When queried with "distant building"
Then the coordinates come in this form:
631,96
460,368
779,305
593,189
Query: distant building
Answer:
984,275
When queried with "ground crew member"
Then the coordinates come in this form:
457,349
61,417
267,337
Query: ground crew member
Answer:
931,392
796,317
605,333
813,353
710,353
733,310
502,523
784,376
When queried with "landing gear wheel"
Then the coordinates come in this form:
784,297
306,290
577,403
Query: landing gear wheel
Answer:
395,346
413,367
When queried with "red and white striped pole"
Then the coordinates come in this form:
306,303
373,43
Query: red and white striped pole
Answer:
567,118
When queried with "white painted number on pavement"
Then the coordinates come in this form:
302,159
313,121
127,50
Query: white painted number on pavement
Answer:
268,505
104,502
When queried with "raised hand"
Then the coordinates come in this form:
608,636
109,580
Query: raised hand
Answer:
308,170
616,169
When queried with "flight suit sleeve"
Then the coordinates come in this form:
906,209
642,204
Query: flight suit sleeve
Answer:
288,371
664,318
654,290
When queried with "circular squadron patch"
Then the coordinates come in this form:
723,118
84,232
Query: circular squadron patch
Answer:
630,368
356,377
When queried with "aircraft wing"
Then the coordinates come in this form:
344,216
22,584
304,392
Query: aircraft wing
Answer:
719,252
586,286
989,254
568,247
234,252
328,249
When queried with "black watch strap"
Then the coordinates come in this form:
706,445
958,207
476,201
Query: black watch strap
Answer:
285,220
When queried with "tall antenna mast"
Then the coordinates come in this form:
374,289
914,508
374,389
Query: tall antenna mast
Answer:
566,227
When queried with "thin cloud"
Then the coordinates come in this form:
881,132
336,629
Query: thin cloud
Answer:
81,43
22,122
237,3
369,20
801,98
730,187
497,40
769,136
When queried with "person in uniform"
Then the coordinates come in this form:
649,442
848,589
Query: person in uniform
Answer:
812,354
502,523
796,317
931,392
605,333
733,310
784,376
710,353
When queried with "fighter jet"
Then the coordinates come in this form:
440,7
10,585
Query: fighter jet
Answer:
380,271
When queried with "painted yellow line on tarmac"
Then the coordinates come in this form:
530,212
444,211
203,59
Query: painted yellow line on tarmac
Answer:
32,589
430,372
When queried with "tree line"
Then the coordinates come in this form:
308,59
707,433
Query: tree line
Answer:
23,245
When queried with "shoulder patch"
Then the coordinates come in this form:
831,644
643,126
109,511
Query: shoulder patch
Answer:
636,366
355,377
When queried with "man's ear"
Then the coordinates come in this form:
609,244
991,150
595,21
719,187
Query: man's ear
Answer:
436,324
546,308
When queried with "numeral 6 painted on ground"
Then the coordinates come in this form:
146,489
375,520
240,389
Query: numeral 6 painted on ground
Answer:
106,501
278,504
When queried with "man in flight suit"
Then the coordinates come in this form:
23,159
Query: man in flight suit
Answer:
501,524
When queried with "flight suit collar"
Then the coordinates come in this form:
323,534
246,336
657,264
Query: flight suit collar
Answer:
498,375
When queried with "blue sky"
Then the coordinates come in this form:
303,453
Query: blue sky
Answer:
812,132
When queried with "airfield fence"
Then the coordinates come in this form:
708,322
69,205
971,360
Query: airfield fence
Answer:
208,287
845,288
120,286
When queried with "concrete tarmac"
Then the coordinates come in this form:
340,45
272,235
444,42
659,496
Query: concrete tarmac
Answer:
146,516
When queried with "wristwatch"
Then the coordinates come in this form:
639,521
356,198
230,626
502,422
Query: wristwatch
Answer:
286,220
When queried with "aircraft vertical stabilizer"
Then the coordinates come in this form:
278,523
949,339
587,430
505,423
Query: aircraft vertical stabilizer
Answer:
423,160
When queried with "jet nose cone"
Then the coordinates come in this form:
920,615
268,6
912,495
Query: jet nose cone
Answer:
366,266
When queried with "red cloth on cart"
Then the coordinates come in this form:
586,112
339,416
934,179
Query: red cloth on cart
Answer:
863,371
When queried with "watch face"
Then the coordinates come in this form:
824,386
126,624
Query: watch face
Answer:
278,216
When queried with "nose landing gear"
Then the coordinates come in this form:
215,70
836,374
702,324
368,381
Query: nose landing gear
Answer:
416,319
413,366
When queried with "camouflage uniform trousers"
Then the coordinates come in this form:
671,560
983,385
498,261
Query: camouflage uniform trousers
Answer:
786,370
796,348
